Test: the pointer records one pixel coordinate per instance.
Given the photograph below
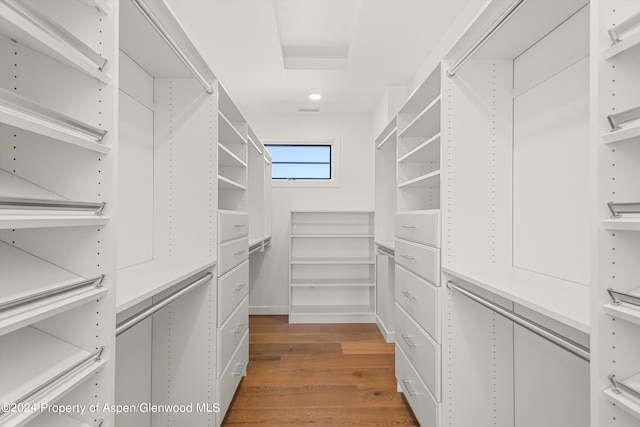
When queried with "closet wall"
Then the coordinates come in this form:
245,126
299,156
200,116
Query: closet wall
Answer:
269,292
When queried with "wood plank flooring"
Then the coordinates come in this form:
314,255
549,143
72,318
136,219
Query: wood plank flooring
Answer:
320,374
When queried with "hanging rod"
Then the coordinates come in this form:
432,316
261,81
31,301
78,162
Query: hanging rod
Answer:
484,38
620,386
164,34
255,145
132,321
619,209
29,107
96,282
553,337
46,204
255,247
93,357
618,298
623,27
40,19
618,119
384,251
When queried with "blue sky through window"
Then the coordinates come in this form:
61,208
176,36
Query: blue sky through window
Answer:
300,161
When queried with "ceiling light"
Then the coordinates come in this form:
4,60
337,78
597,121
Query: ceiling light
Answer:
315,97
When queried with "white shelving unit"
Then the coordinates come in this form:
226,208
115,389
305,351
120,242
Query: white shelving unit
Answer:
615,312
259,191
332,267
57,252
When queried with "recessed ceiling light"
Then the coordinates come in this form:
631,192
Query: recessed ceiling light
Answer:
315,97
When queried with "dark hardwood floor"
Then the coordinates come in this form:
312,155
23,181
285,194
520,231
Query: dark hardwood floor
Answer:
320,374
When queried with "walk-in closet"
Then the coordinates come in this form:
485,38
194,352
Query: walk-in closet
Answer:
318,212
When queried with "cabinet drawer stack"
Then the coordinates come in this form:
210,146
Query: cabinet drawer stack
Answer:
417,295
233,305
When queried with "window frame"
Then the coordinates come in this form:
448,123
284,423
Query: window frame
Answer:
334,147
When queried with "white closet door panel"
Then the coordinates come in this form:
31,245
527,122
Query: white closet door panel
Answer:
135,183
551,168
551,384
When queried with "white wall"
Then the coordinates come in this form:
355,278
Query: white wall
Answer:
269,270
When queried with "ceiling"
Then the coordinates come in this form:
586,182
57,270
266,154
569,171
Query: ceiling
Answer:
271,54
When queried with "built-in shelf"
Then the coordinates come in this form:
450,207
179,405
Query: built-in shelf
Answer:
622,46
31,27
330,236
37,367
430,180
331,282
227,132
426,124
625,394
561,300
332,261
142,281
627,223
624,305
56,420
227,184
388,134
33,289
228,159
22,113
427,152
621,134
301,310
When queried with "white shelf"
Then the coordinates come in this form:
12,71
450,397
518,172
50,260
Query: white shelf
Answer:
227,132
622,46
388,244
33,32
227,184
624,401
227,158
332,261
623,134
306,283
227,106
628,224
331,236
427,152
563,301
428,90
426,124
430,180
24,275
140,282
301,310
624,311
23,114
389,133
30,363
53,420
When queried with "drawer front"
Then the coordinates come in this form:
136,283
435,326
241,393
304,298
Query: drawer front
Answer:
231,333
420,299
232,288
421,260
423,227
425,408
231,254
232,225
229,380
420,350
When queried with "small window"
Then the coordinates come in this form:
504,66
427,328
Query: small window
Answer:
300,161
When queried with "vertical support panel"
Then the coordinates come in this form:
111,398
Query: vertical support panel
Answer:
255,193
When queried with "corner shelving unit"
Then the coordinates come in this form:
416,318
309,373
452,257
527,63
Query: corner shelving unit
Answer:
57,251
615,308
332,267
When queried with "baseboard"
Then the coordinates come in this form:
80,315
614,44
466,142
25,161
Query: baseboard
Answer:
389,336
269,309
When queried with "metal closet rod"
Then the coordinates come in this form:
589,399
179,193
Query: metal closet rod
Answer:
384,251
132,321
96,282
551,336
31,108
146,12
623,27
484,38
45,204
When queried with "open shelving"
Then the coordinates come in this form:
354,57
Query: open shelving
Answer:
625,394
332,267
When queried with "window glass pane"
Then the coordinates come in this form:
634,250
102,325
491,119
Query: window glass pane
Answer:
299,161
297,171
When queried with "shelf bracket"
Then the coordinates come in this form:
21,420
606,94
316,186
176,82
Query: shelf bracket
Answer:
617,298
620,209
624,27
617,120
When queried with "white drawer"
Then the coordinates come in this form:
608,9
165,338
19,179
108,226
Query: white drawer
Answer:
425,408
232,254
232,225
422,260
229,380
420,349
231,332
420,299
232,288
420,227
